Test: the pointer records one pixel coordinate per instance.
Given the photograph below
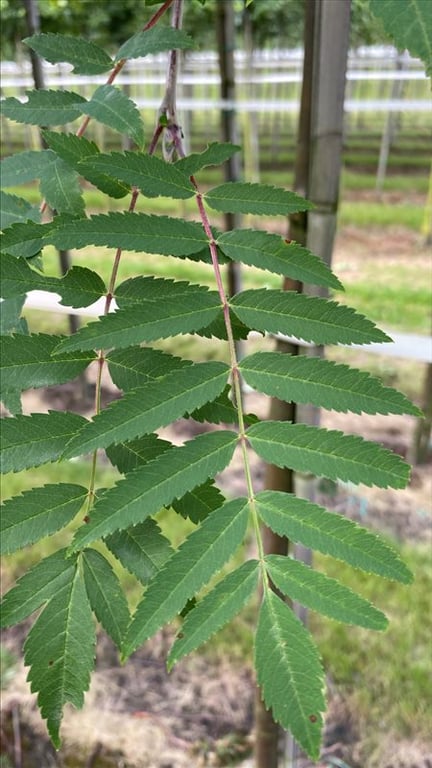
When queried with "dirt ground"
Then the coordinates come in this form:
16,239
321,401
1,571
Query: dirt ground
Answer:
201,714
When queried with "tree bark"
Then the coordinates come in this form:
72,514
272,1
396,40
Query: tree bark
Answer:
229,129
33,28
317,173
268,734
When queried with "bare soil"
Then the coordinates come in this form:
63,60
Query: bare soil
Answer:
201,714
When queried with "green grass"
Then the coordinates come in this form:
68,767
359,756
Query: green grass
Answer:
366,215
384,674
382,303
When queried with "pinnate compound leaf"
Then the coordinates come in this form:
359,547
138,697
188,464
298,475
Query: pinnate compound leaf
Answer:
289,673
148,173
328,453
60,651
59,184
105,595
37,513
25,166
323,594
14,209
142,549
215,154
149,488
200,556
322,382
197,504
260,199
34,588
151,406
135,366
29,441
309,524
132,232
275,254
86,57
186,313
154,40
44,108
73,149
409,24
306,317
215,610
110,106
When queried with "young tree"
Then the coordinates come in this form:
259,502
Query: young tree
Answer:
77,585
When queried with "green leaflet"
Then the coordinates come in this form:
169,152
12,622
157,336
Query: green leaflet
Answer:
142,549
215,610
203,553
86,57
220,411
37,513
154,40
275,254
306,317
155,485
151,406
105,595
35,587
60,187
329,533
215,154
135,453
148,173
29,441
260,199
328,453
22,240
132,232
322,382
321,593
113,108
44,108
197,504
10,318
183,314
80,287
14,209
25,240
289,673
409,24
60,651
135,366
72,149
138,289
25,166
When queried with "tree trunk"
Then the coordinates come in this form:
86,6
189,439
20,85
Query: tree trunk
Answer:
229,131
33,28
268,734
317,172
421,449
